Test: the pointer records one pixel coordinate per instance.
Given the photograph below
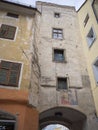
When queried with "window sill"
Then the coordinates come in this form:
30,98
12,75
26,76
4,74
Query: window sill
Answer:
58,39
63,90
8,87
7,39
59,61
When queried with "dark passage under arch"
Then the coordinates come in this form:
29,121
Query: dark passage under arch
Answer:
69,117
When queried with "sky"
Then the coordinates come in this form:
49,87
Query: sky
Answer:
55,127
75,3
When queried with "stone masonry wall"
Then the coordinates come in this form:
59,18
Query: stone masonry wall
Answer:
44,93
74,68
35,68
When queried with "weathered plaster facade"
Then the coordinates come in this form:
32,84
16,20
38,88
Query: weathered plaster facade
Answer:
19,49
35,67
78,95
71,68
14,99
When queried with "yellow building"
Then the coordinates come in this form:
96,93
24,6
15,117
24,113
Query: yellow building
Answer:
16,34
88,20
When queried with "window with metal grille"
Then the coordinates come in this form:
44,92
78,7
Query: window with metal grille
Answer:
9,73
59,55
62,83
91,37
56,15
12,15
7,32
95,8
57,33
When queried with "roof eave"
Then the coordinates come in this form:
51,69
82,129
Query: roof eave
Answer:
17,8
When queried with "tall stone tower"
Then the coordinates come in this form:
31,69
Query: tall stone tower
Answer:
63,94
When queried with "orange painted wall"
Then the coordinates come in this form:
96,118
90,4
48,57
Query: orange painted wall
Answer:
16,103
13,95
31,119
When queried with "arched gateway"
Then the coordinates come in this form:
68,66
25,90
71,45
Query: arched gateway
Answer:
69,117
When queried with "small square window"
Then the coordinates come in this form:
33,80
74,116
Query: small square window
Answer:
57,33
86,20
62,83
9,73
12,15
95,8
56,15
95,70
7,32
91,37
59,55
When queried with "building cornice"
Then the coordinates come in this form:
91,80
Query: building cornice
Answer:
17,8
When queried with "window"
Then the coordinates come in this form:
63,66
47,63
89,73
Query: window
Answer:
7,32
7,125
12,15
95,8
57,33
9,73
7,121
59,55
62,83
91,37
95,70
86,20
56,15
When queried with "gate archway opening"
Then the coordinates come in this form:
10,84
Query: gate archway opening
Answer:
70,118
55,127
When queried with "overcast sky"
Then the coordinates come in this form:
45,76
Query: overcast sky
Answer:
55,127
75,3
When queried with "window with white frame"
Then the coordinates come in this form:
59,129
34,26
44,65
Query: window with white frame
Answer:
91,37
57,33
95,8
95,70
7,31
9,73
62,83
